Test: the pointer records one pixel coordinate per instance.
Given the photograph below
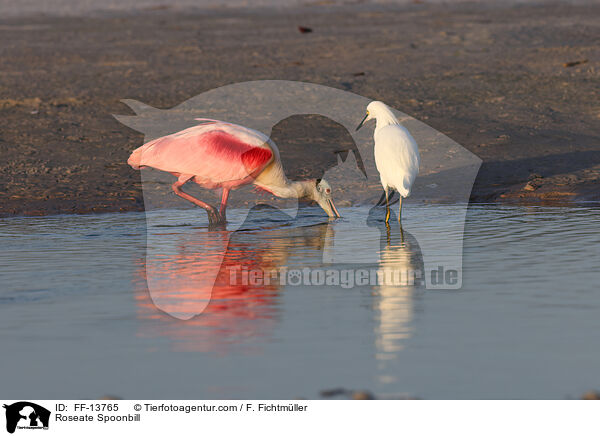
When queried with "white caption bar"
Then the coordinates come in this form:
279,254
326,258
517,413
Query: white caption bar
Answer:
463,418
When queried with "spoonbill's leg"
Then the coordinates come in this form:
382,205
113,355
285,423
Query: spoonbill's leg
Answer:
224,203
213,216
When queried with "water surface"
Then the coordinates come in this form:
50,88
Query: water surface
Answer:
77,319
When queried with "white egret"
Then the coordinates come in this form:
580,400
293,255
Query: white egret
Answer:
396,154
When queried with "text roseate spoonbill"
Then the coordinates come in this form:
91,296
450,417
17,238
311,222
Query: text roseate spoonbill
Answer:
216,154
396,154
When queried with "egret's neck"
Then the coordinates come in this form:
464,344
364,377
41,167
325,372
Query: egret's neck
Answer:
385,117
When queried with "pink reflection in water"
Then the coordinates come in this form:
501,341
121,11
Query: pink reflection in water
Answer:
186,271
182,281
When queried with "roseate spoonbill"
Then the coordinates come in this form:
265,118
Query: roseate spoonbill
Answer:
216,154
396,154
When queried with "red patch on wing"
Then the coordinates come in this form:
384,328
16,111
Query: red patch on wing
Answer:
230,148
256,158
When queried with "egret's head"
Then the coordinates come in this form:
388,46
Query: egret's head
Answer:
375,109
321,193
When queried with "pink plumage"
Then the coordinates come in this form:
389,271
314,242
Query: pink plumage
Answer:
216,154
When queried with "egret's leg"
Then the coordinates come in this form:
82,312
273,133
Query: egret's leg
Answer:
213,216
387,208
224,198
400,212
381,200
389,234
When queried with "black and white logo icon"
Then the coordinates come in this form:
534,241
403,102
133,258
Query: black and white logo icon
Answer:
26,415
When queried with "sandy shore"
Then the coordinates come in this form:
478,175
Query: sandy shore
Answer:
517,86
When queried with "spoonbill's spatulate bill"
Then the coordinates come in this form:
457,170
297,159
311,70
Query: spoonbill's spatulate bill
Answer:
220,155
396,154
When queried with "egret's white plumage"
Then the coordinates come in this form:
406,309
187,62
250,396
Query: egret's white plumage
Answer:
396,152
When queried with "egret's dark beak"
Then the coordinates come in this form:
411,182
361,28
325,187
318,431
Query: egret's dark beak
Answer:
362,122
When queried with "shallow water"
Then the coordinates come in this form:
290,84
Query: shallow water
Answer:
80,299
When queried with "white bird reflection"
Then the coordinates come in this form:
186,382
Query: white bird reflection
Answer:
400,275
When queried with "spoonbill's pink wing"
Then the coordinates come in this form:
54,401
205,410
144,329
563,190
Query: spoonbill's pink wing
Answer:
214,152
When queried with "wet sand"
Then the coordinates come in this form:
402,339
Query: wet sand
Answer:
518,86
